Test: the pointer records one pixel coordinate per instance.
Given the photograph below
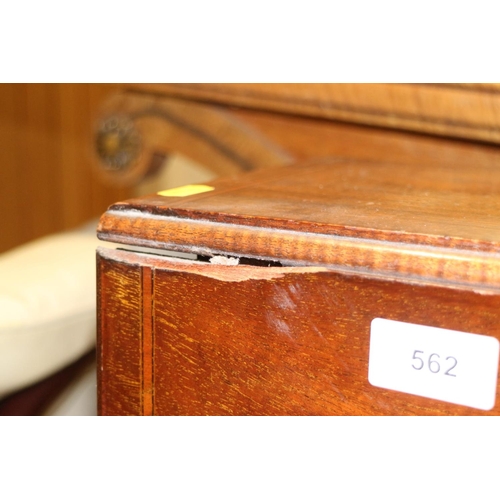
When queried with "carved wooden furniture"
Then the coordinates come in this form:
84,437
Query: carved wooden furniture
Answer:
242,127
267,308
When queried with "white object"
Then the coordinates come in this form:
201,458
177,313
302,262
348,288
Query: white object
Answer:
446,365
47,307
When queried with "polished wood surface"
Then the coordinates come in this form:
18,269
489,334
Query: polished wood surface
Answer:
468,111
119,356
240,340
345,242
419,222
370,222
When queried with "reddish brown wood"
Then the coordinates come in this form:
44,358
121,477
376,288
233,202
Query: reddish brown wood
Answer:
45,160
147,341
448,206
413,222
238,340
119,362
404,227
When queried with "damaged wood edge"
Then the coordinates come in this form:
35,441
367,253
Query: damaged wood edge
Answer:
403,260
239,273
222,272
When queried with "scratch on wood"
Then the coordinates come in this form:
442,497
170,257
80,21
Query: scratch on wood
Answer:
278,324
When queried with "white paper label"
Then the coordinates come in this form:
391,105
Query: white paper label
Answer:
447,365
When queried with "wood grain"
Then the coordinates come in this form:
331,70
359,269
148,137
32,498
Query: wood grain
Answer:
464,111
147,295
371,223
47,183
409,223
241,340
119,343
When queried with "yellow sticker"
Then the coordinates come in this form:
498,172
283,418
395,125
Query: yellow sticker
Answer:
186,190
